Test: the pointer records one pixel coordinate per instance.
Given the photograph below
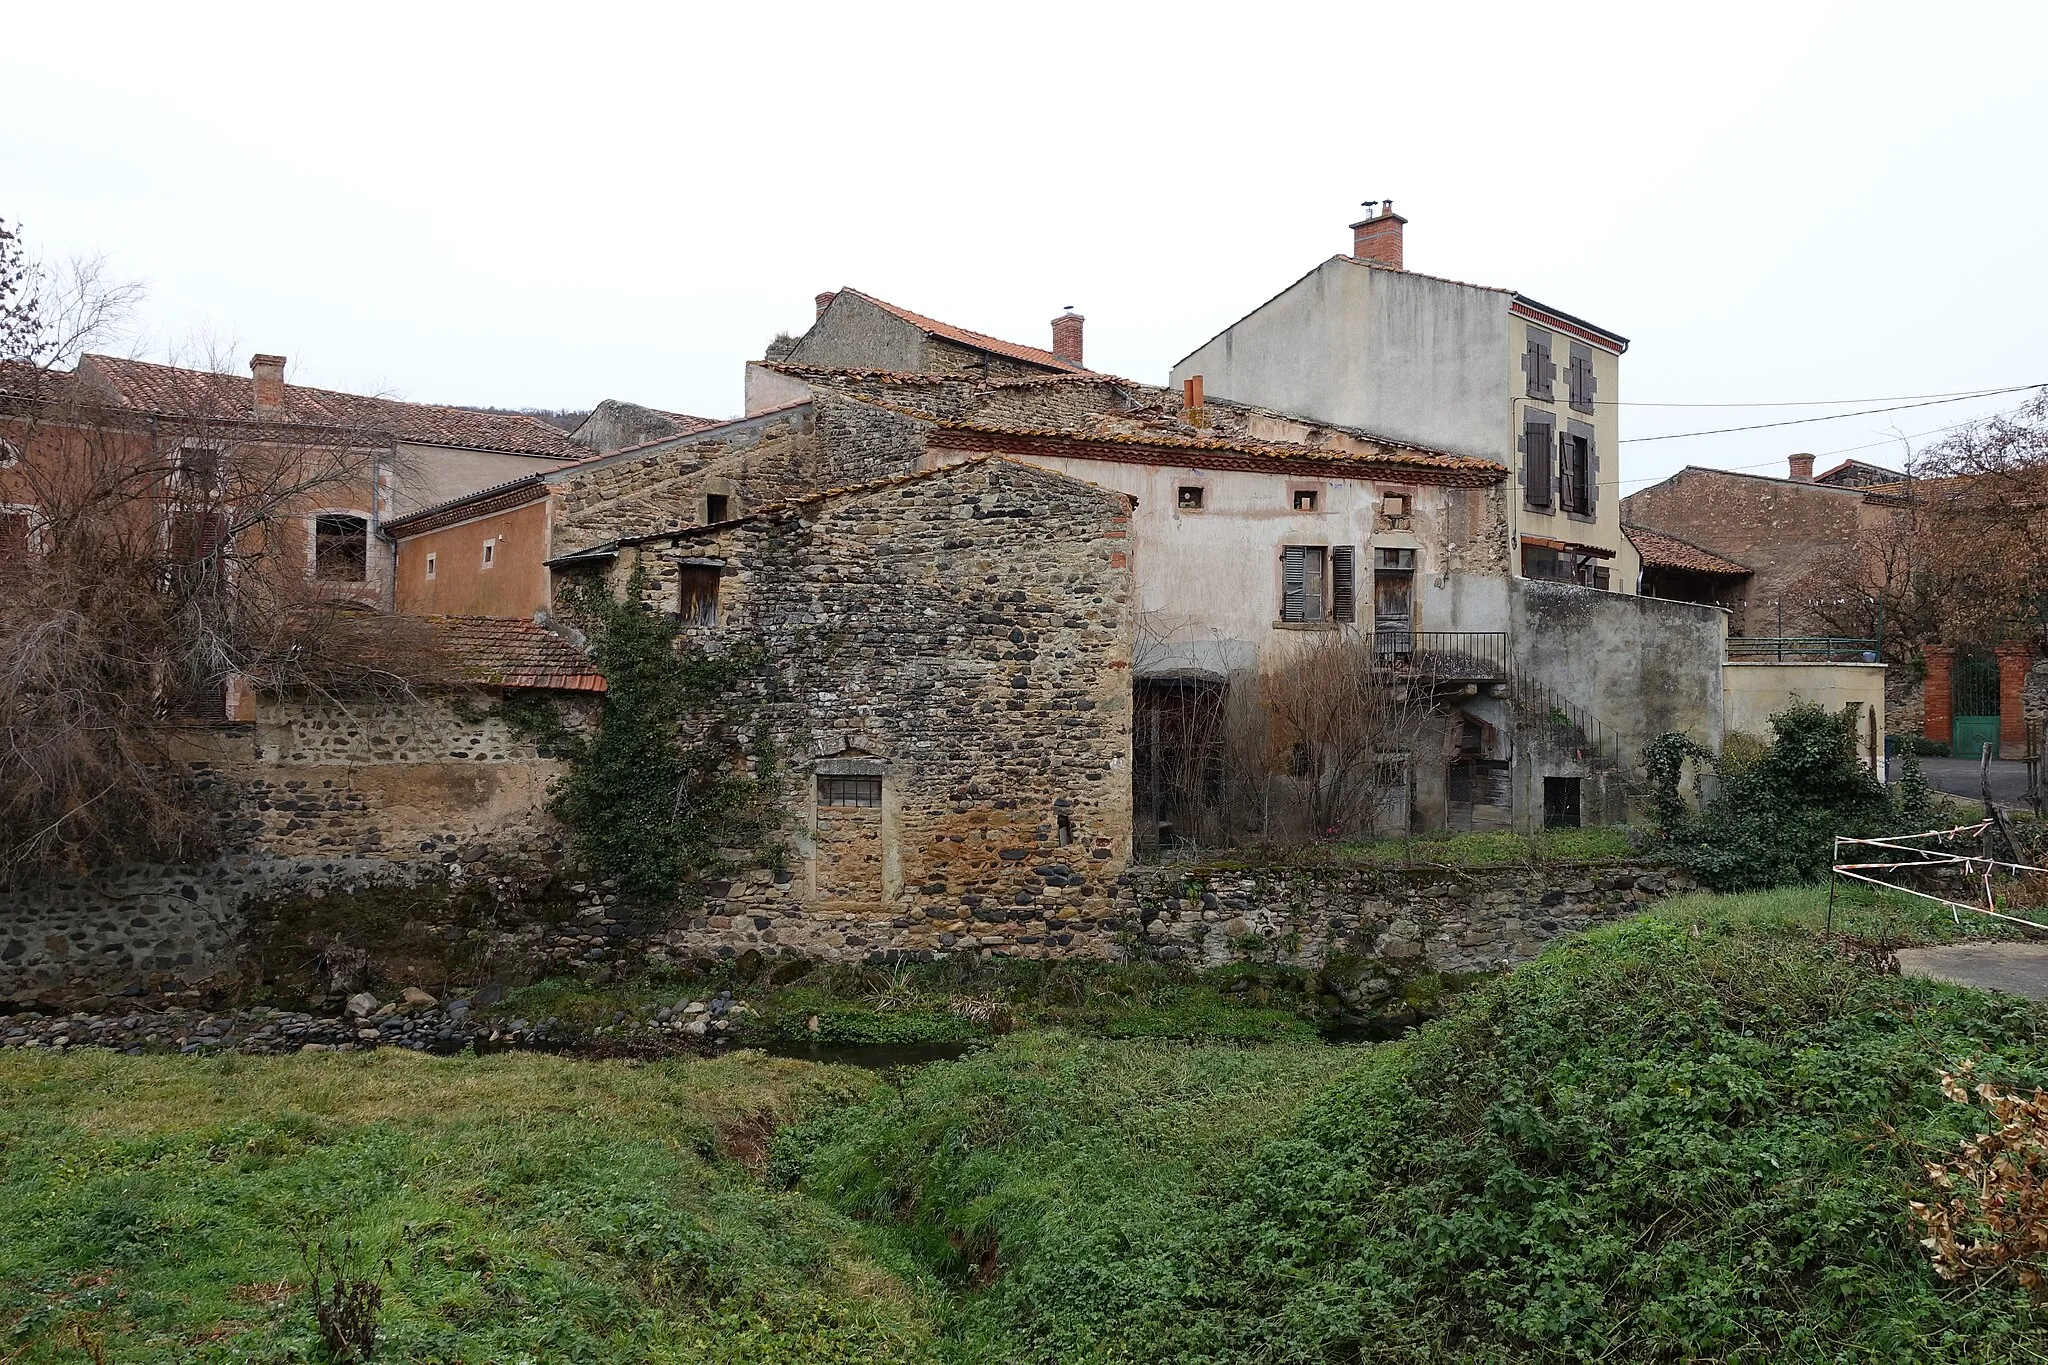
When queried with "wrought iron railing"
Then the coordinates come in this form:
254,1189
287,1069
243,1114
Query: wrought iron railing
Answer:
1802,649
1472,654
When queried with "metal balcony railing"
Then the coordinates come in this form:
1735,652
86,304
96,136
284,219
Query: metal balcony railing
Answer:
1786,649
1472,654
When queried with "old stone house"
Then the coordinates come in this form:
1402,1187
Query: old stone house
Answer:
951,653
1479,371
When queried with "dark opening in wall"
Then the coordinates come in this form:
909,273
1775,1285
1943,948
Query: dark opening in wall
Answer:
1560,803
341,549
1066,829
717,507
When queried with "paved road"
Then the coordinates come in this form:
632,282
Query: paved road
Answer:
1959,777
2015,968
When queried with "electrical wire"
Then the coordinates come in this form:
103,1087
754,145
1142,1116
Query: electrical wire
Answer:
1813,402
1830,417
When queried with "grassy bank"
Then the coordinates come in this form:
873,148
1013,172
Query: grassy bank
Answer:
1691,1136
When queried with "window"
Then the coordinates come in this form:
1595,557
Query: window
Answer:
10,454
716,507
1575,472
1305,499
490,552
1394,508
1391,557
1066,829
1536,364
201,475
1562,566
430,568
196,539
1578,377
1190,497
697,595
17,536
1536,471
1302,582
341,548
849,791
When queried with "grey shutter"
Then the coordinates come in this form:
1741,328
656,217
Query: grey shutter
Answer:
1343,584
1291,560
1536,476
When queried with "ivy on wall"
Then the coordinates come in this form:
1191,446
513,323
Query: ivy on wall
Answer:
678,782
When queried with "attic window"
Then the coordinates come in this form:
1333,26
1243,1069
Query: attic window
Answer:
430,568
200,475
10,454
1305,499
1190,497
716,507
341,548
490,552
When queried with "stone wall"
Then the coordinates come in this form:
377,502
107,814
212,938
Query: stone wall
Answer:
963,637
316,795
1390,922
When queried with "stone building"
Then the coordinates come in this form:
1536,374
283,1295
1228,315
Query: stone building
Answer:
1780,532
951,651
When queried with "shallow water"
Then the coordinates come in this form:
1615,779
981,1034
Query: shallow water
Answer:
870,1056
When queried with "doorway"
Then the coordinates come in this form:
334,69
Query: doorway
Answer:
1975,706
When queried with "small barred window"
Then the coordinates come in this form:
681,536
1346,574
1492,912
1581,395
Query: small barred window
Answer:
849,791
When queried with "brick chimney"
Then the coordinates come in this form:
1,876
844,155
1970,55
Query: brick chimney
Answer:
1802,468
1066,336
824,300
1378,238
269,372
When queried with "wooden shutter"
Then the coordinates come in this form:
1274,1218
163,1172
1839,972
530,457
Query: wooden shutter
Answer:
1292,559
1343,583
1536,360
1536,464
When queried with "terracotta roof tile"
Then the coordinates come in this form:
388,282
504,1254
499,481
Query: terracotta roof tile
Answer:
1669,552
978,340
514,653
174,391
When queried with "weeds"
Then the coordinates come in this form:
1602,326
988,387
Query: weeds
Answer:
345,1300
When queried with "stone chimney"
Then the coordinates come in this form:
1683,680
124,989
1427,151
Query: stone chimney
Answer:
1378,238
1066,336
1802,468
824,300
269,372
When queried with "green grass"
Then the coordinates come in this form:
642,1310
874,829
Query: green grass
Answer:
1689,1136
532,1209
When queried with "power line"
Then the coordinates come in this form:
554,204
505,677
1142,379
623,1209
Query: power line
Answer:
1812,402
1818,454
1831,417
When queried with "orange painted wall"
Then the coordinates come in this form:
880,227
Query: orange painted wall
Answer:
514,587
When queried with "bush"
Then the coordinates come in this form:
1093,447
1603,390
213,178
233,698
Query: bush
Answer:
1775,818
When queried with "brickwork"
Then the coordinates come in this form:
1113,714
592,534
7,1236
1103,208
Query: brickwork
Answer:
1781,530
1938,694
2013,663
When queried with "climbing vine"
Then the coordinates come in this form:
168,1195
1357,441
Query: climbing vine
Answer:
677,783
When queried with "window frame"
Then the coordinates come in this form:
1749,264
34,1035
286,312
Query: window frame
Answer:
313,520
830,785
432,556
1317,503
1180,497
490,553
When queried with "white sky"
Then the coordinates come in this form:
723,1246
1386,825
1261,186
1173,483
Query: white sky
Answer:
549,205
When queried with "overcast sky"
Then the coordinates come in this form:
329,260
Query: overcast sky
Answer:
549,205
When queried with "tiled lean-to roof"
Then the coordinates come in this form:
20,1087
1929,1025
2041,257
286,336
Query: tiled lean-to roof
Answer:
174,391
980,341
513,653
1669,552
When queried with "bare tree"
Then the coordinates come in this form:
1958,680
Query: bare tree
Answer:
151,561
1343,717
1982,537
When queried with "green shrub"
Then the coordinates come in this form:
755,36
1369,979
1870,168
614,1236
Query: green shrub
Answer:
1774,820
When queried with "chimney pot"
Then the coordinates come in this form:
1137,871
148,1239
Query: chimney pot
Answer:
1191,401
268,371
1066,337
1802,467
824,300
1378,238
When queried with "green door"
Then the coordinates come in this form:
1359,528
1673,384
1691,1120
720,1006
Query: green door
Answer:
1976,706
